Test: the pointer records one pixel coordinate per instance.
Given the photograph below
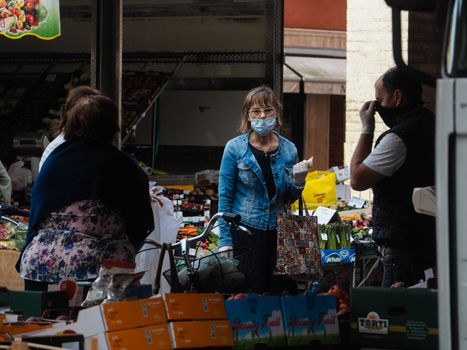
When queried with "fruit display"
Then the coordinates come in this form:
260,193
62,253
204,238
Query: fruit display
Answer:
21,15
137,89
361,226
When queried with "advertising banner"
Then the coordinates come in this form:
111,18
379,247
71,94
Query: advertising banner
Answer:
40,18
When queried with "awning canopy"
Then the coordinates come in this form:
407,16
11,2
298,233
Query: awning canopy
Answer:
320,75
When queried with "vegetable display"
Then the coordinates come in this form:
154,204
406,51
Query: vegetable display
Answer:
12,236
335,236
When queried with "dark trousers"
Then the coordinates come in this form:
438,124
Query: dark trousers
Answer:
35,286
405,265
257,256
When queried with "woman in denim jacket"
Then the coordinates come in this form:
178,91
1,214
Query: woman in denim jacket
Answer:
259,176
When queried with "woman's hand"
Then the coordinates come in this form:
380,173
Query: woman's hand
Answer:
301,169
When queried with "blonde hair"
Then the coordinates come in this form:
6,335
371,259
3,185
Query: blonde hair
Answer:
262,96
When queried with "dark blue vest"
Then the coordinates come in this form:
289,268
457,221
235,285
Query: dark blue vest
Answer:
395,222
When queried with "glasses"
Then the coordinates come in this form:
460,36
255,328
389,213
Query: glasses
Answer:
256,112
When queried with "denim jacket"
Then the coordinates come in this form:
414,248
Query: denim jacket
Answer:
242,188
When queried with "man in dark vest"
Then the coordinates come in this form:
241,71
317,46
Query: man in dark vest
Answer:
403,158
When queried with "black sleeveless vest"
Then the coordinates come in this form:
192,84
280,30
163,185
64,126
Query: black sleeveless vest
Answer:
395,222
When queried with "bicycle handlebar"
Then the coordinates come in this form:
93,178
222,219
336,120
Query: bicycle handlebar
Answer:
186,243
233,219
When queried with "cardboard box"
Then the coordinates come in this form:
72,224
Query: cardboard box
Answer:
422,319
199,334
34,303
310,318
116,316
395,317
256,320
134,313
187,306
143,338
16,328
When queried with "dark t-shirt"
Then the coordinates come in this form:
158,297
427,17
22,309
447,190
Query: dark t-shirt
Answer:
264,161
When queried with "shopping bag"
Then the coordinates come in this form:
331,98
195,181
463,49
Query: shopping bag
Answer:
320,190
166,226
298,253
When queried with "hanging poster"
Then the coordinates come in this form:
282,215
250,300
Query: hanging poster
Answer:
40,18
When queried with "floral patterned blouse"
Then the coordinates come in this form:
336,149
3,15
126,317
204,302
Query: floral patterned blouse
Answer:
72,242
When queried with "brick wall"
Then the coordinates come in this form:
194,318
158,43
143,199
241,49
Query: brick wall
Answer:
315,14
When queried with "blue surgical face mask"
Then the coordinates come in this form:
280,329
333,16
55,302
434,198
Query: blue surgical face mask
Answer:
263,126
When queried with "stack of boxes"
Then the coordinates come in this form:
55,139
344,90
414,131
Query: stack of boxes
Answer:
140,324
175,321
189,321
198,320
281,321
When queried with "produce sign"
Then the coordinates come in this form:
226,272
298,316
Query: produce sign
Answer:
40,18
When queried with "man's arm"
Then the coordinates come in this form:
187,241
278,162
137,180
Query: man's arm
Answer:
361,176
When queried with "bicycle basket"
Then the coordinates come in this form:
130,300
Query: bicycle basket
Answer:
213,273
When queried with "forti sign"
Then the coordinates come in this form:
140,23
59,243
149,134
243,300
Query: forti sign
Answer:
372,323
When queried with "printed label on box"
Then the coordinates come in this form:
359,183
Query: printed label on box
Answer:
310,318
332,256
256,320
373,324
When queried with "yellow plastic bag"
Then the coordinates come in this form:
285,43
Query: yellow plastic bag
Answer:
320,190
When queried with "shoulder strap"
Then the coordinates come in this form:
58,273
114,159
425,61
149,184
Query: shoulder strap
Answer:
175,283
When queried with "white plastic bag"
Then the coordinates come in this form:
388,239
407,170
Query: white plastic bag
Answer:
20,176
166,226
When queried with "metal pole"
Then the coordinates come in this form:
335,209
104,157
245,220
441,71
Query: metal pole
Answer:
106,51
274,13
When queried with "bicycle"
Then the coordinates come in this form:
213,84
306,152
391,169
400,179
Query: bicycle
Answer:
193,265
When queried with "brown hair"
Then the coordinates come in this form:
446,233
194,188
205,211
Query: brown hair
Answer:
73,96
92,118
262,96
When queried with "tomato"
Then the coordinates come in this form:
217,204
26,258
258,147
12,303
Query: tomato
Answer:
68,286
239,296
